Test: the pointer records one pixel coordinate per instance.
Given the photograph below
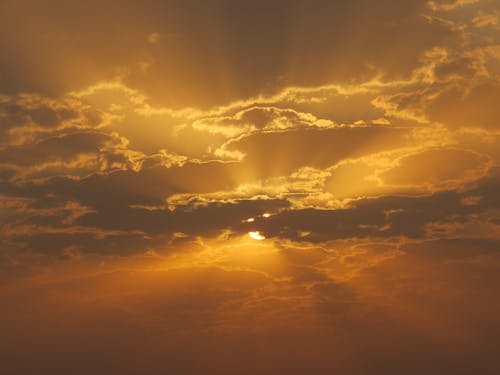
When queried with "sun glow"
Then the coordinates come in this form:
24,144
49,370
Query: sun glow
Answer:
256,235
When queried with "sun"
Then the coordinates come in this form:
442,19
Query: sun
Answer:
256,235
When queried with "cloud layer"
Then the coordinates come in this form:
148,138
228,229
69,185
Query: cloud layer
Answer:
141,142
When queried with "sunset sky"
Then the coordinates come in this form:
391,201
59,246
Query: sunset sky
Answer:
249,187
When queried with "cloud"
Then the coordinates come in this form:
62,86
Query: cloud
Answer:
387,216
136,155
475,108
175,78
377,217
55,149
447,5
424,290
74,154
280,153
485,20
438,167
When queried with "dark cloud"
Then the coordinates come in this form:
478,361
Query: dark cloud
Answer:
476,107
56,149
149,186
380,217
245,48
49,117
280,153
436,166
205,221
113,210
64,244
453,249
123,230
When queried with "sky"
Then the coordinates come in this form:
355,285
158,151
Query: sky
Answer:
249,187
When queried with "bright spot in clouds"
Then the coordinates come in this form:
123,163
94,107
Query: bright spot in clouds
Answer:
266,215
250,220
256,235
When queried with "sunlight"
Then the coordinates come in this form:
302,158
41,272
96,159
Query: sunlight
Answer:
256,235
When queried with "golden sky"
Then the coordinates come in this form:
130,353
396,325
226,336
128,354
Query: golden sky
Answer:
249,187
